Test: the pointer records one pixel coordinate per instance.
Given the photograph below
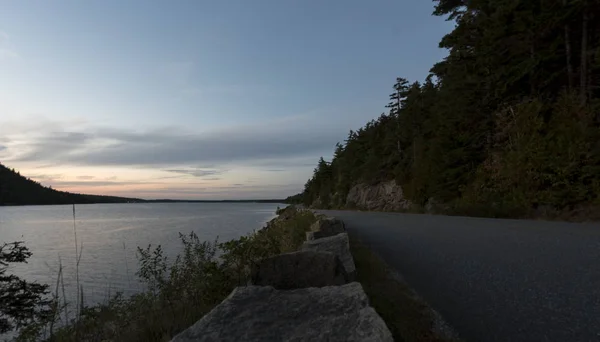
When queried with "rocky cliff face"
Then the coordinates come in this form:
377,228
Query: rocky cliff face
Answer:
386,196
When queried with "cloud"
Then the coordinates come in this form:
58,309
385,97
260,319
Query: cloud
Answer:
46,177
93,183
85,177
97,183
162,192
198,172
264,143
103,183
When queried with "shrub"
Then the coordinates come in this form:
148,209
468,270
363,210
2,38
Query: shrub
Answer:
180,292
22,303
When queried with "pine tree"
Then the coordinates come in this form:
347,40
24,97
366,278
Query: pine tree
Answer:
507,122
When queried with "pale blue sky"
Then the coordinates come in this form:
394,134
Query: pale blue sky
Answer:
198,99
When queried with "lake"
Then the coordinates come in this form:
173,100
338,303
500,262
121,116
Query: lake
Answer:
110,235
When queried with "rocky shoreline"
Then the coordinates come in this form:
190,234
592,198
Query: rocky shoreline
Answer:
307,295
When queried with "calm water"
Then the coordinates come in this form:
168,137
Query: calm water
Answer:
110,234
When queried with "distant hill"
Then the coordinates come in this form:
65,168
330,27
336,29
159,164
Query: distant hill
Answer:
18,190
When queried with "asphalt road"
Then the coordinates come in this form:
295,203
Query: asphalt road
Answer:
494,280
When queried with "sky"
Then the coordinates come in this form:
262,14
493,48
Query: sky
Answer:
198,99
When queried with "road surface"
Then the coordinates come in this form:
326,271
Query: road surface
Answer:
494,280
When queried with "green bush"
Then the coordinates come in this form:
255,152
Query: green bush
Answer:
180,292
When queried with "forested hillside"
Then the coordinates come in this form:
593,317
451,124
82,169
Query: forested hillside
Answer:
18,190
507,124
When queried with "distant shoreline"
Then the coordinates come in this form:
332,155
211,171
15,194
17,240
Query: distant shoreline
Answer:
140,201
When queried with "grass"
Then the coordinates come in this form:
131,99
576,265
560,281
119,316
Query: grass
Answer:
179,292
407,316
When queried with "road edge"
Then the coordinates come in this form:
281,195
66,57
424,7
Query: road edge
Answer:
407,315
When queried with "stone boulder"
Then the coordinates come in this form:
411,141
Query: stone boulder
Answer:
339,245
299,270
287,213
325,227
254,313
386,196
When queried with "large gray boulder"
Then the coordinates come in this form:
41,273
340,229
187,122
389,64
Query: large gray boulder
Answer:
325,227
254,313
299,270
338,245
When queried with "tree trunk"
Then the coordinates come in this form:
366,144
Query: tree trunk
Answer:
583,81
568,52
532,72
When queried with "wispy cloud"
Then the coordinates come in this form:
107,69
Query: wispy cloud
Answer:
86,177
98,183
264,143
158,162
198,172
46,177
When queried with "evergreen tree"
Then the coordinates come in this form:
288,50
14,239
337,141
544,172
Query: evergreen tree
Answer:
508,122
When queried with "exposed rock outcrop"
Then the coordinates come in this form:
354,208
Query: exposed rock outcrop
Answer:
433,206
255,313
386,196
338,245
318,204
325,227
299,270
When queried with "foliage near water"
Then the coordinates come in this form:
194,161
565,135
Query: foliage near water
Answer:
22,303
507,125
179,292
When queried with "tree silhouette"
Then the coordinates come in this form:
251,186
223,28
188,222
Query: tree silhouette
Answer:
18,190
508,120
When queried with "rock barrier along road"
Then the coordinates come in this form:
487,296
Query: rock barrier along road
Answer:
492,279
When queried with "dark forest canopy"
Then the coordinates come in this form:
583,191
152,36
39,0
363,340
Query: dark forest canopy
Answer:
18,190
508,120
